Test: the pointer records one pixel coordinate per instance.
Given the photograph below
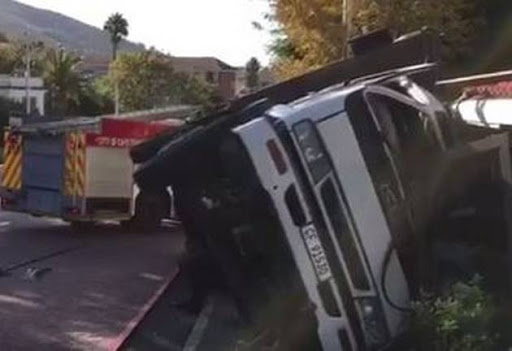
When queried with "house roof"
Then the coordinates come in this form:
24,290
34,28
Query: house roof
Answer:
202,64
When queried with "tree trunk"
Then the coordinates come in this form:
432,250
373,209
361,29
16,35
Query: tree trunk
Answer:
114,50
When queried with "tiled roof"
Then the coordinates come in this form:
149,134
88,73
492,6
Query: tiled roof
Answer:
187,64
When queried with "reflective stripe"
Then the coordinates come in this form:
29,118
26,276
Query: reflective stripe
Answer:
80,165
12,161
69,173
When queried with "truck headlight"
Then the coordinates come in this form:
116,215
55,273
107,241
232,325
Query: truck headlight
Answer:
374,323
312,150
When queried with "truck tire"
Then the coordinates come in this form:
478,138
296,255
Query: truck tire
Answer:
150,209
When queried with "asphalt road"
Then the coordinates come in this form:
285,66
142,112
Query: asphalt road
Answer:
84,296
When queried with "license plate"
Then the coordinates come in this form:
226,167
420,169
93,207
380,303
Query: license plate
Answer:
316,252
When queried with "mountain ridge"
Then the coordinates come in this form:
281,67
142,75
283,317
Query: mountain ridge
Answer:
56,29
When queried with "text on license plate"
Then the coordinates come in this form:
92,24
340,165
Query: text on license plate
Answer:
316,252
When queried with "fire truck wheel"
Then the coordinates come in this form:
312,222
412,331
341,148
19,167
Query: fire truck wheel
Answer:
150,209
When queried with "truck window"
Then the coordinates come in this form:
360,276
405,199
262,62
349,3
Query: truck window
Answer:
342,232
408,132
387,180
372,145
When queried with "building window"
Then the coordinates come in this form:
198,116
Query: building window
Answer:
210,77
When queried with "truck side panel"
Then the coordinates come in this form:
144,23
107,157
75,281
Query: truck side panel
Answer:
109,173
43,162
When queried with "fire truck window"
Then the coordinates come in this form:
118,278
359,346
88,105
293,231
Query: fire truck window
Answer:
344,235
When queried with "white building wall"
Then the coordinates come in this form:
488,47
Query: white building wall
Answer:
14,88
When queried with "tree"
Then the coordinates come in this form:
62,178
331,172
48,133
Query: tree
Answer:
94,98
13,55
252,74
117,26
61,77
459,22
146,79
311,31
190,90
8,59
149,81
314,33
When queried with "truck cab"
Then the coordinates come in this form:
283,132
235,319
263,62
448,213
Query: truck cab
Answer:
313,209
335,167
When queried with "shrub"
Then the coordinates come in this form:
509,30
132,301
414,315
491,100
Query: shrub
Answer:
459,321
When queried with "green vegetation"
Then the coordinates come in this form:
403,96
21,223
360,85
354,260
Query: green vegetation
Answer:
463,319
309,34
62,79
147,80
12,56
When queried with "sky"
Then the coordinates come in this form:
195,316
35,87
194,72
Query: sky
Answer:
220,28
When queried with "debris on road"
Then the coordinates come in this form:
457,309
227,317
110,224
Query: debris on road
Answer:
34,273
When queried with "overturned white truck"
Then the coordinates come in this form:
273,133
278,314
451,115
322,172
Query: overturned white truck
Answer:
316,196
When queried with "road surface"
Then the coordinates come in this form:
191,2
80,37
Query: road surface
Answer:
85,290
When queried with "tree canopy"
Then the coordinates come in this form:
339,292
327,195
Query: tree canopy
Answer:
144,79
62,79
313,33
147,80
117,26
13,55
459,22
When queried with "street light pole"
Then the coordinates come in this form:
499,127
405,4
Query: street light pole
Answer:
116,97
27,75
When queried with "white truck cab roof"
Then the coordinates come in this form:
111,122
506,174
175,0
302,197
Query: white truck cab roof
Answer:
315,106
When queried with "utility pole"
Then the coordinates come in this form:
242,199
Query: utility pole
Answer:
347,24
116,97
116,85
27,74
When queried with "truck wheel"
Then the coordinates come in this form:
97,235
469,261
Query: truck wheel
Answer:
81,227
150,209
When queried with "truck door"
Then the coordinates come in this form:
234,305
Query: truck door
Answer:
413,141
43,165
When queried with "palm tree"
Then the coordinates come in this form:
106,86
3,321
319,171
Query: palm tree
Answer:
61,77
117,26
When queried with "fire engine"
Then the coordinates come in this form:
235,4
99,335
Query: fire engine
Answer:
80,170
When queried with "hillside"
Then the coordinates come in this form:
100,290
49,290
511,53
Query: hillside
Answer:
56,29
